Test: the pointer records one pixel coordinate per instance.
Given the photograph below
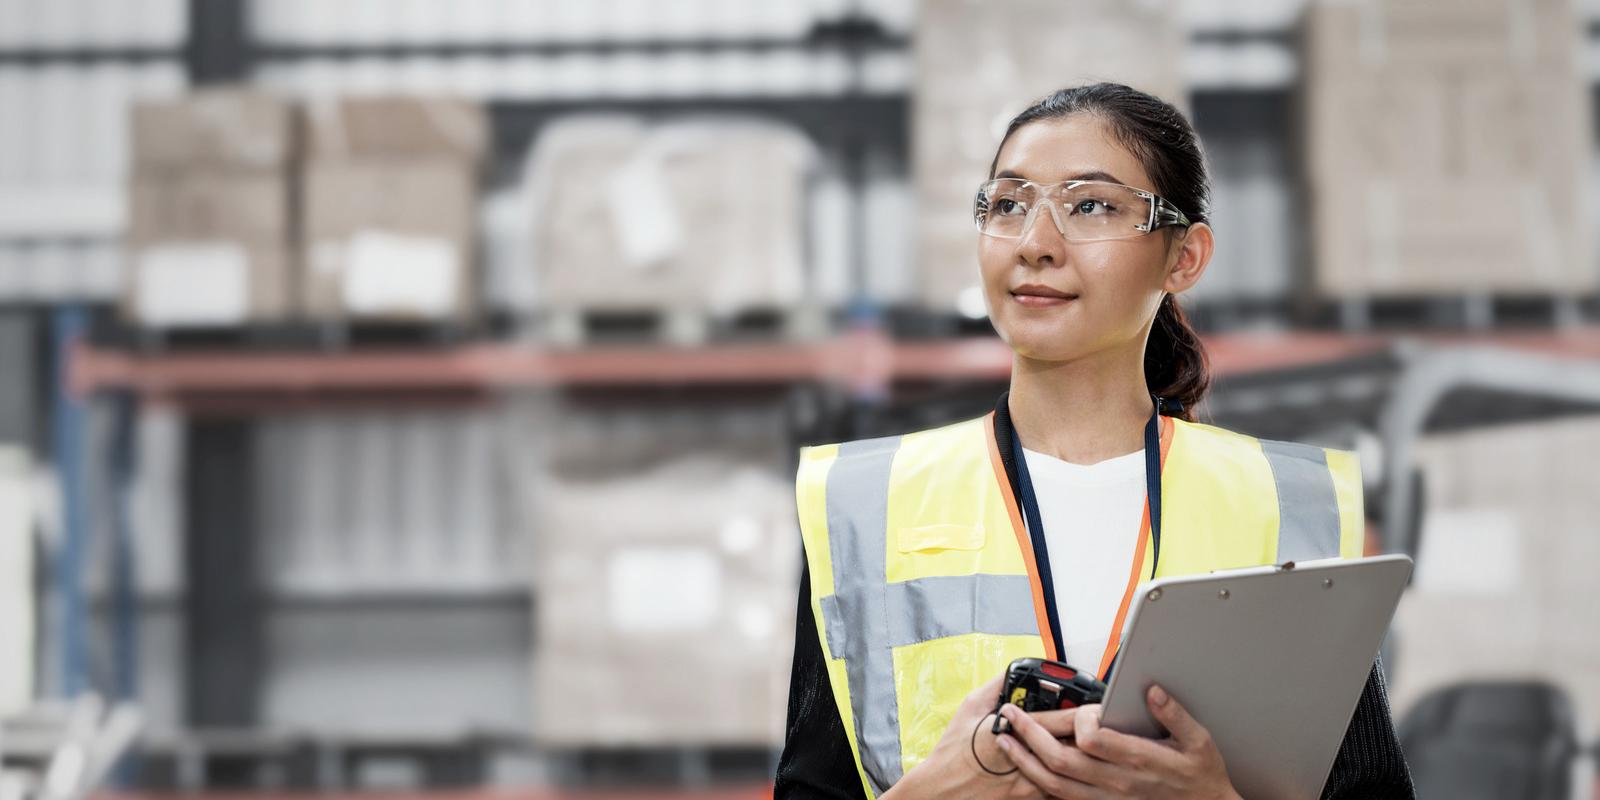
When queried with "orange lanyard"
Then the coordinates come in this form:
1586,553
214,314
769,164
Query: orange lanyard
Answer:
1157,440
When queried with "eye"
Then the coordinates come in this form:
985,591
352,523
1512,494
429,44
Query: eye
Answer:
1088,207
1005,206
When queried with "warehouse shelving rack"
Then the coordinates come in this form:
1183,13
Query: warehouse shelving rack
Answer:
1274,384
220,609
1270,383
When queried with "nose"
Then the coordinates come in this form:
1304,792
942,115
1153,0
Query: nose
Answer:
1042,243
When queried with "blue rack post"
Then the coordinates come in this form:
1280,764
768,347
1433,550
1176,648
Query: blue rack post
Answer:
68,325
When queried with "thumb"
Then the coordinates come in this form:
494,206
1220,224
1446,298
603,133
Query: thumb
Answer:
1187,732
986,694
989,690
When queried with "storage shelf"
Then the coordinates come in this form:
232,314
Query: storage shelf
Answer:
461,368
87,54
828,117
518,592
278,51
858,361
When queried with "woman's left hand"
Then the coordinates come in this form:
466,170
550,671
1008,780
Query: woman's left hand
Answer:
1099,762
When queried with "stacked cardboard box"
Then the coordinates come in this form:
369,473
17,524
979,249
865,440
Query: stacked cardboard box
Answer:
977,65
666,581
693,563
698,215
391,208
1448,147
1504,579
210,219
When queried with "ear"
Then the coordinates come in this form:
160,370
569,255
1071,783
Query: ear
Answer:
1191,252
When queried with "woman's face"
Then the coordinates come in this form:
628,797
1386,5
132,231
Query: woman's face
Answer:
1113,287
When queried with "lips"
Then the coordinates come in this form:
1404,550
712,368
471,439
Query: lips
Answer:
1033,294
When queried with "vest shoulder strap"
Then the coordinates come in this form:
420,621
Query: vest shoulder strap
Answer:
1318,489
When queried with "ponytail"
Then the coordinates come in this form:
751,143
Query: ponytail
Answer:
1175,363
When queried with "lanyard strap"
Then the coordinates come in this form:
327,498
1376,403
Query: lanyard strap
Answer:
1030,509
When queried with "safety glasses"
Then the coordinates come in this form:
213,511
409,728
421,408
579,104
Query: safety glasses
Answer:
1083,211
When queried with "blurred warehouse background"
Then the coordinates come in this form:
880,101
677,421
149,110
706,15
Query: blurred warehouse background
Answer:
403,394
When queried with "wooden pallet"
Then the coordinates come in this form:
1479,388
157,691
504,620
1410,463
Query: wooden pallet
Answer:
263,762
598,769
1479,312
307,335
687,327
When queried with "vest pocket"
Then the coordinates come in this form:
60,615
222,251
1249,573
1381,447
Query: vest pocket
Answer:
923,538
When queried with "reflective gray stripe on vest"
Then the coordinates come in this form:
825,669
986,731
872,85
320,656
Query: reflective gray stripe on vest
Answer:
952,605
924,609
855,614
1308,509
866,617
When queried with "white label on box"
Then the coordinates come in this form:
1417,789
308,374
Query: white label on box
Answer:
193,283
643,213
663,589
1470,551
394,273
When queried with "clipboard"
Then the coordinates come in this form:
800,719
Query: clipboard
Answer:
1272,660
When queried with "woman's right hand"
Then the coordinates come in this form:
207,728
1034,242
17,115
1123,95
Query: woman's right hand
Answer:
950,769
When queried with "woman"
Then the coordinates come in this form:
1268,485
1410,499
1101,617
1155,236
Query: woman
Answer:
929,556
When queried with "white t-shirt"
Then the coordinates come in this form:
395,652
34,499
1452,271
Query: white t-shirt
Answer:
1091,515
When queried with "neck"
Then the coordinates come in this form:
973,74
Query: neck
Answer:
1083,411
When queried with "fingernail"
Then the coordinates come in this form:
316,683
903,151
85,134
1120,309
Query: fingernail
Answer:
1003,741
1158,695
1005,711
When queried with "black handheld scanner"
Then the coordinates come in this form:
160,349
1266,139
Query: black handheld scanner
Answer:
1039,684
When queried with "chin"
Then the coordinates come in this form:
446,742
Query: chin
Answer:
1042,341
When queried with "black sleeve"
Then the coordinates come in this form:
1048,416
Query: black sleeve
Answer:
1370,763
816,760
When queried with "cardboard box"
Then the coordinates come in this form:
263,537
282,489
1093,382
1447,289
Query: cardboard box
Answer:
390,238
692,559
397,127
208,247
703,215
205,282
977,65
207,204
1469,37
1448,149
1416,236
432,196
1506,562
228,128
210,216
390,208
586,440
695,562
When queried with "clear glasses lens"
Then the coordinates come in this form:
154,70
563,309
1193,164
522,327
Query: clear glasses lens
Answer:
1083,212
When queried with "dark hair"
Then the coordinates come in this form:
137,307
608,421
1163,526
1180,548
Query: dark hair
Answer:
1175,364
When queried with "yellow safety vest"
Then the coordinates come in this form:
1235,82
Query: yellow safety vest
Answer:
923,581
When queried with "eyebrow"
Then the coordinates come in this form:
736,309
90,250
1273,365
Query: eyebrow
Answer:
1092,175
